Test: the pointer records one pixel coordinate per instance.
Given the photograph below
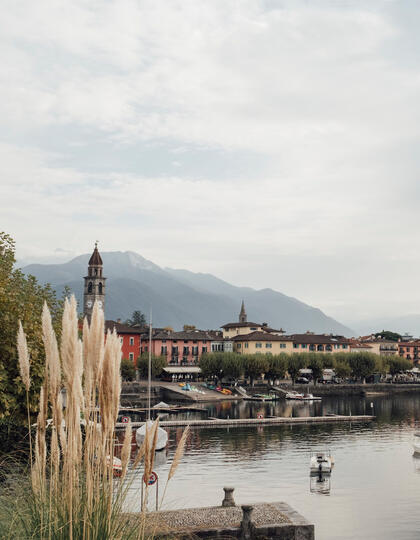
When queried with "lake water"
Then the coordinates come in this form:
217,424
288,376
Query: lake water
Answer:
374,489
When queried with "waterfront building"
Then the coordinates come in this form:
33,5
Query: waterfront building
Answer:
261,342
180,348
131,338
243,327
94,284
324,343
381,346
409,350
356,347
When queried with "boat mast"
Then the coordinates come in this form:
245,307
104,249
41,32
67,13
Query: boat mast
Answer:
149,379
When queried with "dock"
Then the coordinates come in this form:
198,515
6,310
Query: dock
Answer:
270,421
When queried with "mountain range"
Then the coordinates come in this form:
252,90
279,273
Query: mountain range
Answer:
181,297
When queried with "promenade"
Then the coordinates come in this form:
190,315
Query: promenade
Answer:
271,420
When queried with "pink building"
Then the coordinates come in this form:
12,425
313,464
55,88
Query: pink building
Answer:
182,348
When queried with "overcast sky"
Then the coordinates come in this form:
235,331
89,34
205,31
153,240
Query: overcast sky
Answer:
273,143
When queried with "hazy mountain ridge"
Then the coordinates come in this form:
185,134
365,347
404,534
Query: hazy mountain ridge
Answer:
182,297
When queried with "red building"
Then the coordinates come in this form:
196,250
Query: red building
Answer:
130,337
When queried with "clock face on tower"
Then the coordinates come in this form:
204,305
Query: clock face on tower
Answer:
89,303
99,303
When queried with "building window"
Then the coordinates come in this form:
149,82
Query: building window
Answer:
100,288
204,350
163,340
90,287
194,351
131,356
131,341
164,349
295,346
239,345
185,340
174,351
258,345
282,345
268,345
253,329
303,345
311,347
344,345
246,345
186,350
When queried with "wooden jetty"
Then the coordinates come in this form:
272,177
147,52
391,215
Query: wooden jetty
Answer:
276,420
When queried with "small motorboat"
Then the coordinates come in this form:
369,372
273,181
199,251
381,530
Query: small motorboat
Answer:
162,436
321,463
416,443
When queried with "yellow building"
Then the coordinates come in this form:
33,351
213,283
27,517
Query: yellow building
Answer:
260,342
243,327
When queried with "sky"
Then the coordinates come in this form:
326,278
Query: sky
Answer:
272,143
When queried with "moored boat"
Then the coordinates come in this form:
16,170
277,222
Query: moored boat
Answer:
416,443
321,463
162,435
302,397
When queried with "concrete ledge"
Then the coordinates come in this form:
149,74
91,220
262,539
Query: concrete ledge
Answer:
265,520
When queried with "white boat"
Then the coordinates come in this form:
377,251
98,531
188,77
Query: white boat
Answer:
416,443
162,436
321,463
302,397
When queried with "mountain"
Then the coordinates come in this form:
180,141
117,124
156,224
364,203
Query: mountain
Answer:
181,297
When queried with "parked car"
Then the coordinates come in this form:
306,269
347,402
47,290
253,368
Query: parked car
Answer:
302,380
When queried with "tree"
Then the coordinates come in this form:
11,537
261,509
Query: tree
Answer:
128,371
232,365
254,366
315,362
388,335
188,327
342,368
277,366
138,318
397,364
297,361
211,365
362,364
157,364
21,298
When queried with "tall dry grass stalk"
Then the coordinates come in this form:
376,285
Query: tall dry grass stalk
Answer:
73,490
24,368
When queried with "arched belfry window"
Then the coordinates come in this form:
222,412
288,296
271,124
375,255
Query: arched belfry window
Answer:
90,287
100,288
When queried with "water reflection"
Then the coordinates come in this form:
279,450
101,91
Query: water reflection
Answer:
320,484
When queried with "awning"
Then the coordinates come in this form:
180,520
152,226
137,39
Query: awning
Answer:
182,369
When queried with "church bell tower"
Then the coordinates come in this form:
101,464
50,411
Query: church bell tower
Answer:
94,290
242,314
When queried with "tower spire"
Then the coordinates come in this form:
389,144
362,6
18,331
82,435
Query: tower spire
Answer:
94,290
242,314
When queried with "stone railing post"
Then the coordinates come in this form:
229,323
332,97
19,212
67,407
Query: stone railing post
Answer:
247,527
228,500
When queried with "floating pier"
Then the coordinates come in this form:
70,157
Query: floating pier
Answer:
272,420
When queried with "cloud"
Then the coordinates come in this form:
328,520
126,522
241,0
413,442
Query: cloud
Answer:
272,143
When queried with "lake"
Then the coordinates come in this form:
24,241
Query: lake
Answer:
373,491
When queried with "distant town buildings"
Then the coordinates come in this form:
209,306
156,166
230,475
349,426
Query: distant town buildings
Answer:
185,348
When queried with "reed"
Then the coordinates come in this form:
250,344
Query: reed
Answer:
72,493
